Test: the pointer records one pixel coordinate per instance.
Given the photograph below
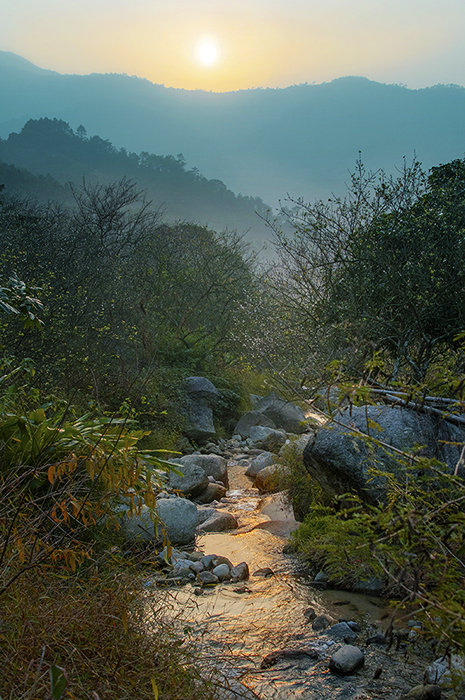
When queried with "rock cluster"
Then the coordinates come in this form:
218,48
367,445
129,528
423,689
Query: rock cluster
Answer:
204,570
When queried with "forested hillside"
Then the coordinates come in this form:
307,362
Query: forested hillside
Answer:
54,155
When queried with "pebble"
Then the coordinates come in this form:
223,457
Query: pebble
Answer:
222,572
240,572
342,631
346,660
320,622
207,577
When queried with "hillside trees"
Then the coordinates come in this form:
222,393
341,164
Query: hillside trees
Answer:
124,294
382,270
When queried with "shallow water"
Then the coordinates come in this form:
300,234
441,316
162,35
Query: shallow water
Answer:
241,623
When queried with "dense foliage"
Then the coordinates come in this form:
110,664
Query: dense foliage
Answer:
131,305
381,271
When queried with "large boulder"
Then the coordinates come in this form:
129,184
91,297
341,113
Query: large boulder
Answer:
218,522
201,396
211,465
265,459
213,492
250,420
202,388
267,438
192,481
341,461
267,479
284,414
177,515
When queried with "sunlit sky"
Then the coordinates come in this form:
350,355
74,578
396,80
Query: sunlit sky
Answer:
233,44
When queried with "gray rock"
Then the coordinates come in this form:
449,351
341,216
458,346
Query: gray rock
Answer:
309,614
254,399
369,585
354,626
179,517
213,492
182,572
196,567
340,461
423,692
346,660
183,563
342,632
284,414
201,395
204,514
219,522
321,577
207,577
221,560
264,459
207,561
449,673
201,387
222,572
320,622
193,481
195,556
199,424
212,465
267,438
250,420
240,572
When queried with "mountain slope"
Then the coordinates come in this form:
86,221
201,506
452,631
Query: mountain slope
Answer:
302,139
47,147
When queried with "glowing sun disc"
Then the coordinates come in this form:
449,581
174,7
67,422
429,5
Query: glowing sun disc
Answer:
207,52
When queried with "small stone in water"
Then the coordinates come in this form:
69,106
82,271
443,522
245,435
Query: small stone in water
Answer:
346,660
320,622
242,589
342,631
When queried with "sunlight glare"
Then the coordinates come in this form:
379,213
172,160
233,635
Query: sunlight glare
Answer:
207,52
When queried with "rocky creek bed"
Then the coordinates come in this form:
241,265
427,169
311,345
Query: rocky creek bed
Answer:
277,635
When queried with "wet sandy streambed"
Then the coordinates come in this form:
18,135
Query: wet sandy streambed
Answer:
241,623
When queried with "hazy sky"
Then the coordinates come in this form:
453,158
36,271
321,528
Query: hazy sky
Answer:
233,44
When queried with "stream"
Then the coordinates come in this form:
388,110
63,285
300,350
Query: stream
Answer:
239,624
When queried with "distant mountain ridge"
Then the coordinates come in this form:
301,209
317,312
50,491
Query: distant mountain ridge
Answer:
302,139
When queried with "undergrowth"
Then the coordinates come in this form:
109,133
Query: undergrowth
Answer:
102,636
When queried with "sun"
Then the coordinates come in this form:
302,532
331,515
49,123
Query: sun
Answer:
207,52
